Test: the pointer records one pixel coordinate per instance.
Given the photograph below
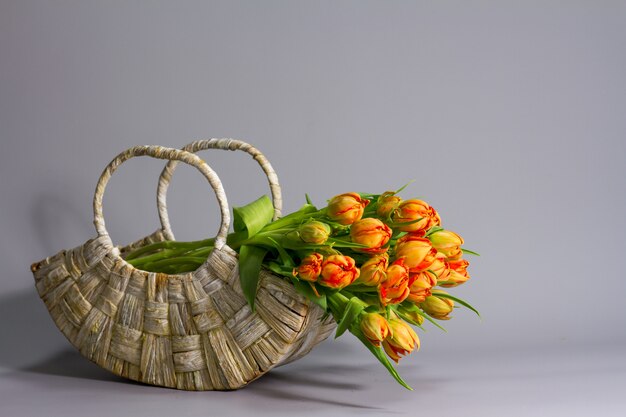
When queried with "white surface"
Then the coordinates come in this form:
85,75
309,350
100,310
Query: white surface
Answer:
338,379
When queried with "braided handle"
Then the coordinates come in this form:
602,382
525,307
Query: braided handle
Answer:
172,155
225,144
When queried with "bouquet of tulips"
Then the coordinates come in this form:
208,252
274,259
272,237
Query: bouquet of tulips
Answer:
375,262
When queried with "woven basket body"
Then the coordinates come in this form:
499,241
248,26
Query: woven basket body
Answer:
190,331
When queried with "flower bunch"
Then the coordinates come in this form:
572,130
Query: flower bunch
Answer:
375,262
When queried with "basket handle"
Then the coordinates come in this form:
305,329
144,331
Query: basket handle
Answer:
225,144
171,154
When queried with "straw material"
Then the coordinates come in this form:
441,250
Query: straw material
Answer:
190,331
224,144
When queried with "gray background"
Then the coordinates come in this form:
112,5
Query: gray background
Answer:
509,116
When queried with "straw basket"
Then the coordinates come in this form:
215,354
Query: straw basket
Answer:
191,331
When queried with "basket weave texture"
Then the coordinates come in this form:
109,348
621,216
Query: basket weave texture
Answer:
191,331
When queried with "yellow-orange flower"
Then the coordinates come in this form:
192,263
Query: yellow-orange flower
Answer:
457,273
420,285
448,243
413,315
387,203
453,253
415,251
374,327
338,271
372,233
395,288
401,341
310,268
346,208
443,239
439,267
374,270
417,211
314,232
438,307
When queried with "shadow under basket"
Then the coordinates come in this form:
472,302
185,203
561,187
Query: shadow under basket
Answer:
192,331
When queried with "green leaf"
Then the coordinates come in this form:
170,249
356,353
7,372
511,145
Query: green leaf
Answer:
398,224
470,252
380,355
344,243
308,199
399,190
372,309
458,300
280,270
284,256
350,313
250,261
252,217
433,230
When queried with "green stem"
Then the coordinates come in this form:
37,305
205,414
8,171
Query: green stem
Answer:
194,262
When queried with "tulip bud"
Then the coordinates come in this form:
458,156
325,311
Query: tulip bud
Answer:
346,208
457,273
401,341
372,233
338,271
310,268
374,327
314,232
395,288
414,250
444,239
420,286
438,307
417,211
374,270
413,315
387,203
448,243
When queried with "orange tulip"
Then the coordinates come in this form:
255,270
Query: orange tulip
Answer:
374,327
439,267
310,268
374,270
417,211
314,232
453,253
417,252
372,233
346,208
438,307
387,203
338,271
420,286
457,273
395,288
401,341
